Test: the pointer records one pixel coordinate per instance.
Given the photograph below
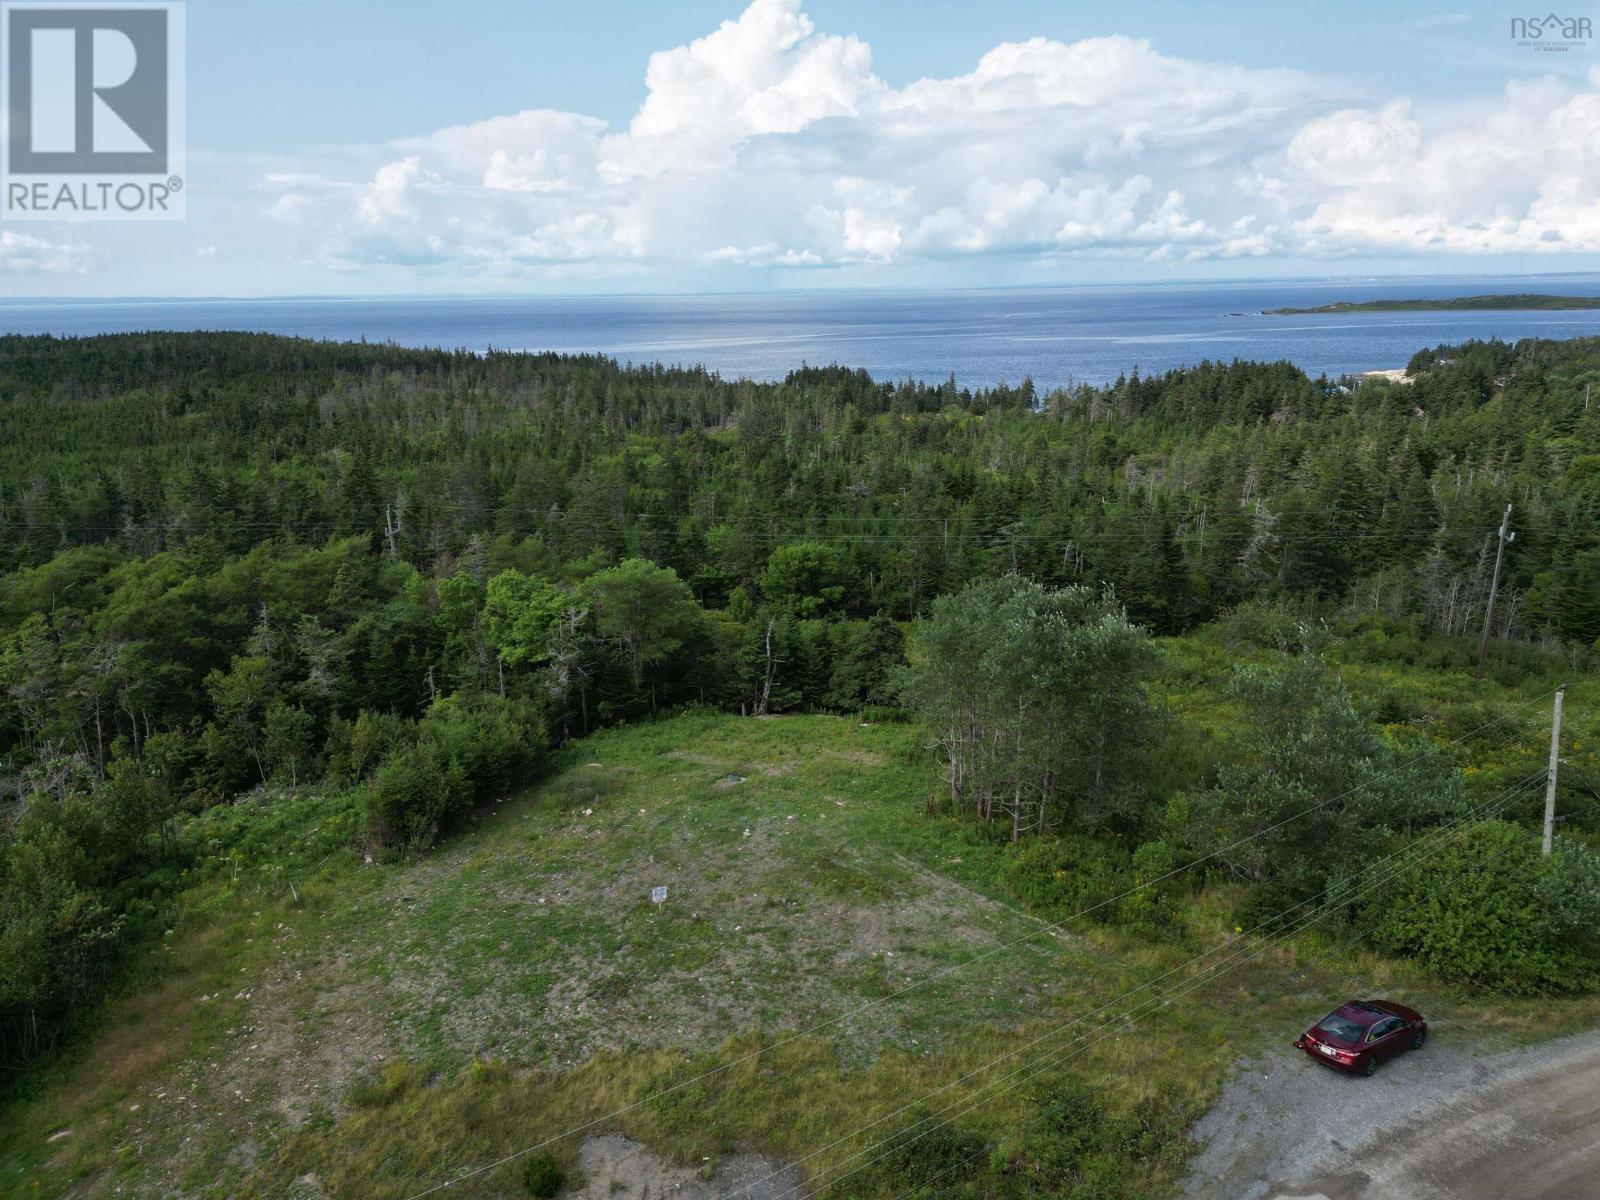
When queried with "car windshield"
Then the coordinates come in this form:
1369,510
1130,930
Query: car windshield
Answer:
1341,1027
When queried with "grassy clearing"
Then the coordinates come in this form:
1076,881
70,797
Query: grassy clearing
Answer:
802,883
319,1026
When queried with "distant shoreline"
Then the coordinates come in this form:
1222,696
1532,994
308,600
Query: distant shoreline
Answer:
1392,374
1521,301
1057,338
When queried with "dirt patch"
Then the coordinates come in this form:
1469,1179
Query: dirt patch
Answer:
738,767
534,941
859,758
767,925
617,1168
312,1060
298,1033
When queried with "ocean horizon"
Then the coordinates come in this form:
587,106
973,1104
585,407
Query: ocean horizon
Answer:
1055,336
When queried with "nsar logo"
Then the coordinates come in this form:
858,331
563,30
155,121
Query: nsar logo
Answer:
1551,32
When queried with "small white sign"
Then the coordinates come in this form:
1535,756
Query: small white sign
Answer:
658,895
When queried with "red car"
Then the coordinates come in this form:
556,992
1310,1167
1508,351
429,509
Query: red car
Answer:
1357,1036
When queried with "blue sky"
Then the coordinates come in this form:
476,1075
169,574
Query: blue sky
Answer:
348,71
494,145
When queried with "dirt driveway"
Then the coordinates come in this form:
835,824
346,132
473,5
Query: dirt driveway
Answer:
1445,1123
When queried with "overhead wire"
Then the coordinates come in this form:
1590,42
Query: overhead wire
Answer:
987,954
1352,892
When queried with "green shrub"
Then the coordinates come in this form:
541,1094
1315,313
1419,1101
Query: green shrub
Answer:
416,795
1486,909
1569,886
1271,906
465,751
1155,907
1058,877
494,740
1398,705
394,1081
1307,769
1083,1148
542,1176
1078,1147
929,1158
1264,625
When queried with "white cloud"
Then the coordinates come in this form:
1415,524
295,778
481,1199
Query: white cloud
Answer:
289,207
1357,148
768,254
537,150
766,73
391,196
26,254
1522,176
768,144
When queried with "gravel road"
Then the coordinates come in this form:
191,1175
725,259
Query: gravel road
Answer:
1443,1123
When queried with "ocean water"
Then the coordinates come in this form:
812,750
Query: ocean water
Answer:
1055,336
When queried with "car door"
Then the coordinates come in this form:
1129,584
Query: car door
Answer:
1388,1037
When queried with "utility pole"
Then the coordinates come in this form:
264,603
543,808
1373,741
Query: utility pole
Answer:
1494,589
1550,776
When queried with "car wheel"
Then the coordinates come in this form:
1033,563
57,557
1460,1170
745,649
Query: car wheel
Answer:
1416,1042
1371,1067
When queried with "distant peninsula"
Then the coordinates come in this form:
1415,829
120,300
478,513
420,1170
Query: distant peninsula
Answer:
1519,301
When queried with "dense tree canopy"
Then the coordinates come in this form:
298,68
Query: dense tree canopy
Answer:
1188,491
233,563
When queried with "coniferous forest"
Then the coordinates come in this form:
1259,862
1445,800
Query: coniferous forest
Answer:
233,563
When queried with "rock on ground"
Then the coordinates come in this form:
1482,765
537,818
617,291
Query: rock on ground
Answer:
618,1168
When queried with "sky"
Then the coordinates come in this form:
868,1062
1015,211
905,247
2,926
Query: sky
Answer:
526,146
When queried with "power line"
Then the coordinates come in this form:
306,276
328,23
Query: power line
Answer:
967,528
1354,938
1352,892
509,1158
965,519
1416,852
1229,1008
977,958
